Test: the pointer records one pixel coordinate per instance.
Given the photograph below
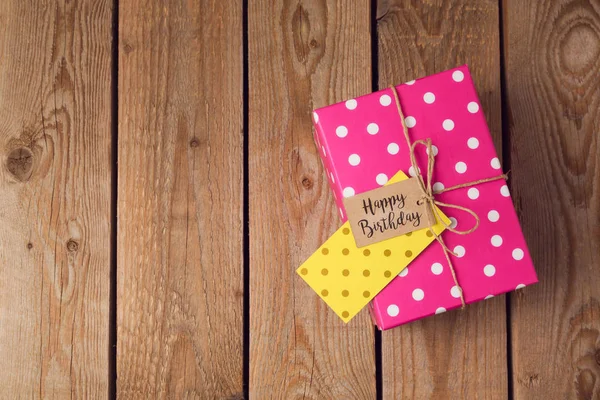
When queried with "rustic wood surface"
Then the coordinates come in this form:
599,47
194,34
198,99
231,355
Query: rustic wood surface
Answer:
55,190
159,186
418,39
553,94
301,56
179,242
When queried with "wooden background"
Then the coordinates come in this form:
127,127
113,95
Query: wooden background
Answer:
159,186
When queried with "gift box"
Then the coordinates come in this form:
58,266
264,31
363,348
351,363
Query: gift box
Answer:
362,146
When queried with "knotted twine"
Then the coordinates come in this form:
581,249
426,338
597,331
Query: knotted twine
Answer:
428,194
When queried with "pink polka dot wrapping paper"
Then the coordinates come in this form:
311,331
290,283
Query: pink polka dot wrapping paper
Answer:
362,145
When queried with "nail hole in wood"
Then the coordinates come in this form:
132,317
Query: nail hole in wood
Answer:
30,245
194,143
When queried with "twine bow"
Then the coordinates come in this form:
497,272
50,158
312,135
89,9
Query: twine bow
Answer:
428,194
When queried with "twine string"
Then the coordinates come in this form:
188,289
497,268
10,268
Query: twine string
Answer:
428,194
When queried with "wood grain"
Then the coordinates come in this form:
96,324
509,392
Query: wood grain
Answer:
55,141
553,93
180,261
302,55
460,354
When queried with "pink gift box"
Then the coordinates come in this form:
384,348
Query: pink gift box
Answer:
362,145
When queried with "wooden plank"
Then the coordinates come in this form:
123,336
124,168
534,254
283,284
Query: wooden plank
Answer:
552,64
55,198
180,205
460,354
301,56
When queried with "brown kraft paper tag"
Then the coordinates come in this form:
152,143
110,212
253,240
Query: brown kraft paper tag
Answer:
388,211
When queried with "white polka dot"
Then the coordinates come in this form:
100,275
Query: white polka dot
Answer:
372,128
504,191
429,97
393,310
489,296
434,148
393,148
455,292
332,178
473,193
354,160
448,124
460,167
473,107
518,254
496,240
403,273
316,117
351,104
493,216
489,270
381,179
341,213
495,163
473,143
437,268
323,148
348,192
410,82
341,131
520,286
440,310
438,186
411,171
410,122
458,76
385,100
418,294
459,251
453,222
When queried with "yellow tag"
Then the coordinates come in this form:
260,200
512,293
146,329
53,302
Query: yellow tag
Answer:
347,277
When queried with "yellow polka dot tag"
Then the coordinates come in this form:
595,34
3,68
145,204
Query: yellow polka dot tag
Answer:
347,277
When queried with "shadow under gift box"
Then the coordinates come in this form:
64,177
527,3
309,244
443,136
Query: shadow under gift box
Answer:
361,144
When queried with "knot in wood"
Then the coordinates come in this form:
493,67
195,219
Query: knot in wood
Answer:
194,142
72,246
307,183
20,163
579,47
301,33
